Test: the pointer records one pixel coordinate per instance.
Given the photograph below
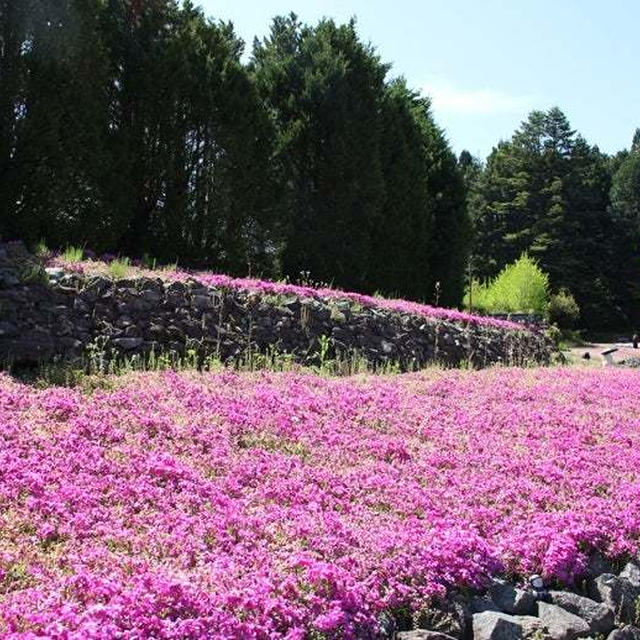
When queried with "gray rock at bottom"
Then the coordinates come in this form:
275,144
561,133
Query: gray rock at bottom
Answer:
512,600
494,625
598,564
483,603
626,633
451,617
597,615
631,572
619,594
423,634
562,624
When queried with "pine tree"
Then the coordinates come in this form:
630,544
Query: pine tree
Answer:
545,192
324,89
625,212
406,223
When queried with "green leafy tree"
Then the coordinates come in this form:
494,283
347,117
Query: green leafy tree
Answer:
520,287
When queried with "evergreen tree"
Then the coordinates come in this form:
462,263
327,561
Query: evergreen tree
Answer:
545,192
324,89
192,141
625,211
365,171
53,86
452,223
14,29
405,228
59,151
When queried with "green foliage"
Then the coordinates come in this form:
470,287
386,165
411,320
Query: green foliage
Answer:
72,254
133,128
119,269
520,287
33,274
625,213
563,310
42,251
363,167
546,192
148,262
136,129
324,87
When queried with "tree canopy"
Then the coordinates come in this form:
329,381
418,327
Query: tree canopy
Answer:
546,192
138,128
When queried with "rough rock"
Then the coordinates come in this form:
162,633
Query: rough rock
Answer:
511,599
598,564
483,603
54,273
495,625
597,615
181,316
619,594
631,572
561,624
423,634
626,633
452,617
128,343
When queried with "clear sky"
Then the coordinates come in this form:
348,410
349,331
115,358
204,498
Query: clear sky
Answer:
487,63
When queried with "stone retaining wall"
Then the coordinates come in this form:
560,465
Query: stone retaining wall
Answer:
58,314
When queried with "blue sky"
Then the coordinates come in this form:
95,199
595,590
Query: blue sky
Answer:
487,63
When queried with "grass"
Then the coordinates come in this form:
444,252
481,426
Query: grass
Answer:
119,268
100,366
72,254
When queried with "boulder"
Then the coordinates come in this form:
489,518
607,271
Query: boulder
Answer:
54,273
597,615
510,599
451,617
483,603
626,633
495,625
560,623
631,572
128,344
597,565
619,594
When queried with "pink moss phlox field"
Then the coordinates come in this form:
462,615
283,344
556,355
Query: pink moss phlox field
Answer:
277,505
281,288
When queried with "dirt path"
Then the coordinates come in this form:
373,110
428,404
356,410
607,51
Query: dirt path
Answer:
594,349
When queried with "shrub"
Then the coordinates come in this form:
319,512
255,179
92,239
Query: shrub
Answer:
563,310
148,262
521,286
119,268
42,251
72,254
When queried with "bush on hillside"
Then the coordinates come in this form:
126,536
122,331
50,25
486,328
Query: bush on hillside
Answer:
520,287
563,310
